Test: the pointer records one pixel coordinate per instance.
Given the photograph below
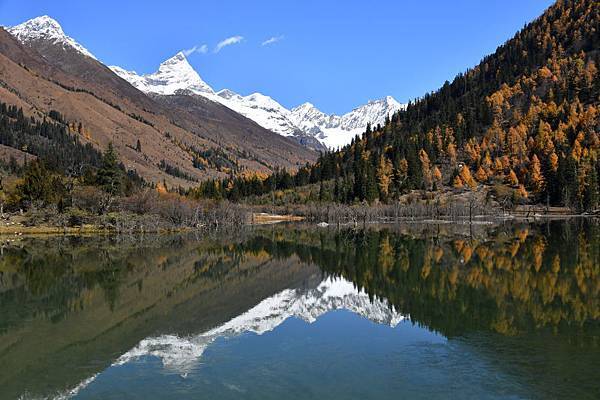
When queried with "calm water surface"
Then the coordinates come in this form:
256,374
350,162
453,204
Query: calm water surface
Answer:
417,312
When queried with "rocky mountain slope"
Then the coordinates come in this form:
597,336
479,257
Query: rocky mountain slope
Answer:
42,69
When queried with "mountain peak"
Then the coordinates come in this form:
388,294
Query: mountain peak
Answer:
43,23
304,106
390,100
173,75
387,100
178,58
46,28
228,94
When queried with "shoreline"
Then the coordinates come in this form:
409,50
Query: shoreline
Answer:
259,219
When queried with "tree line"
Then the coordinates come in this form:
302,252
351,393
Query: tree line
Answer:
58,162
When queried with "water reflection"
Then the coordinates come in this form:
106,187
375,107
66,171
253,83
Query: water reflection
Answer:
181,354
514,297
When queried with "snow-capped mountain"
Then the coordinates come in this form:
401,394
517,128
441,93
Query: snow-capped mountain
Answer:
261,109
304,121
336,131
46,28
174,74
182,353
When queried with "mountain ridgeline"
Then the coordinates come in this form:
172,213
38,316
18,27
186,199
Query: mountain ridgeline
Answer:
43,70
305,123
523,124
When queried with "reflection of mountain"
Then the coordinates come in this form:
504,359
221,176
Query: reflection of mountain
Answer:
510,280
69,308
72,307
182,353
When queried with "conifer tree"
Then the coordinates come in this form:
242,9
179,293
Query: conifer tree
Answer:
109,176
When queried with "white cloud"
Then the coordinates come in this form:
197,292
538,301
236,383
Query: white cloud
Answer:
228,42
196,49
272,40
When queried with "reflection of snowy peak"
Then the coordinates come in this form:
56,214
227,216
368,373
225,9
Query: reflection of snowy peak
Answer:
46,28
181,354
330,295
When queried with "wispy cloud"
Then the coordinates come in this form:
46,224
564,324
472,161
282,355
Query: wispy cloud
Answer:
196,49
272,40
228,42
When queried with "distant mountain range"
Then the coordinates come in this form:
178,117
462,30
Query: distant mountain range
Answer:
305,123
184,138
302,122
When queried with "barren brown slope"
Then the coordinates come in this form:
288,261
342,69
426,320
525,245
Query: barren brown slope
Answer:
110,109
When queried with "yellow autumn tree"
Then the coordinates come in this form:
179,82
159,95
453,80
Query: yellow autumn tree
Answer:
553,158
481,175
467,177
436,175
426,168
384,176
536,178
544,138
451,151
512,179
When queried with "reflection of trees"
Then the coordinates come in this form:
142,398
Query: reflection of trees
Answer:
68,307
518,278
50,278
53,277
513,279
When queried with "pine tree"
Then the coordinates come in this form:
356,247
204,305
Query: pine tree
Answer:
36,184
109,176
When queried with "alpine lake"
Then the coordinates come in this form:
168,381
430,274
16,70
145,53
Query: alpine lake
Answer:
290,311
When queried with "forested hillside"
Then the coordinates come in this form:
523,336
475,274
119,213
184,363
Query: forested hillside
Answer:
523,124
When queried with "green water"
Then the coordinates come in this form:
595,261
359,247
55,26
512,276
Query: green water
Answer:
296,312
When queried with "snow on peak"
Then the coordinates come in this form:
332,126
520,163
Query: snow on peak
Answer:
46,28
182,353
335,131
132,77
227,94
331,130
374,112
173,74
262,109
305,106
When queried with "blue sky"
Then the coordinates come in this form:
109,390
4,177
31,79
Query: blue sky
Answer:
335,54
